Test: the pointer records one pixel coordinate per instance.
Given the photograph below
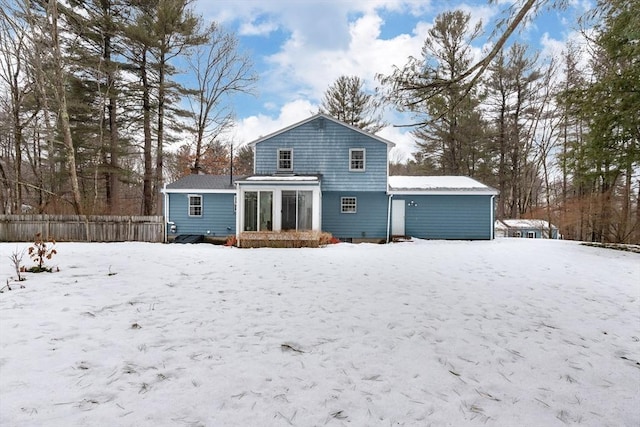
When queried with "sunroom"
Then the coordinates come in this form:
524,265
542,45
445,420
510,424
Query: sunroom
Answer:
272,205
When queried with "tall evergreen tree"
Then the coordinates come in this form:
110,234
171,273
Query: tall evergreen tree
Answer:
513,95
609,154
347,101
162,31
451,131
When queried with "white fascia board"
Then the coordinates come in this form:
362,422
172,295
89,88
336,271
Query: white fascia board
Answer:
442,192
284,178
197,191
263,186
279,182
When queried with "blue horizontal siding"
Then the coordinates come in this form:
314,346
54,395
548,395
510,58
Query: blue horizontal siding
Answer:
448,217
322,147
218,216
369,222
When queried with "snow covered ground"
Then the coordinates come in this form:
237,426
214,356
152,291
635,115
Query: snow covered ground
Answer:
513,332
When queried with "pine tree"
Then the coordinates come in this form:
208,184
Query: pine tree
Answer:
450,132
347,101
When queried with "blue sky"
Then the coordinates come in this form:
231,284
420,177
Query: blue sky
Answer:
299,47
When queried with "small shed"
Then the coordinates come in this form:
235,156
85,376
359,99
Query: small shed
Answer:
199,204
528,228
441,207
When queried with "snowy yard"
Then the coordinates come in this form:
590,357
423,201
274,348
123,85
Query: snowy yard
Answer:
514,332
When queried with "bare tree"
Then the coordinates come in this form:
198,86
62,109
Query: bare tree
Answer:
220,71
42,21
13,46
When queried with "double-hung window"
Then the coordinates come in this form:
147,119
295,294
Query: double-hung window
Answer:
285,159
195,205
348,205
357,159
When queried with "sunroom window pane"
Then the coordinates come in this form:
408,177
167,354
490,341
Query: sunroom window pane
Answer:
305,210
266,211
250,211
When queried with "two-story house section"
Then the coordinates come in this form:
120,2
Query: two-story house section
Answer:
324,175
318,174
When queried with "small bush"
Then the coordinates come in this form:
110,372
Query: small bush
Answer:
231,241
40,251
16,260
327,239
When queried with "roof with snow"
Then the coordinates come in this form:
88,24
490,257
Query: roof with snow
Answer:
438,185
527,223
284,178
204,182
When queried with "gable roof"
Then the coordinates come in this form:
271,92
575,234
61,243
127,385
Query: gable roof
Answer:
527,223
438,185
210,183
325,117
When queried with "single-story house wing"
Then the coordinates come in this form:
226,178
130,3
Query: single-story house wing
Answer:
441,207
201,204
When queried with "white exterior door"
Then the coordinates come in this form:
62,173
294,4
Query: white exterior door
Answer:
397,217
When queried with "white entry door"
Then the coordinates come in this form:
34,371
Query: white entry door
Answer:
397,217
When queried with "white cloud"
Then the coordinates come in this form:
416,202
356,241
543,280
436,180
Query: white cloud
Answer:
309,72
257,29
556,48
251,128
325,39
405,143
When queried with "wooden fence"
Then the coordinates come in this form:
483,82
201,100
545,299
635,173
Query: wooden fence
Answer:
74,228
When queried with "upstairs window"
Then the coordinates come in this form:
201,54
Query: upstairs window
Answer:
195,205
356,159
348,205
285,159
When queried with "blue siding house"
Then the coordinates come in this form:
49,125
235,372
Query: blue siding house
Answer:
442,207
323,175
201,204
527,228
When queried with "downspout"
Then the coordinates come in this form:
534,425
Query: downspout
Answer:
231,166
389,218
493,222
239,213
166,212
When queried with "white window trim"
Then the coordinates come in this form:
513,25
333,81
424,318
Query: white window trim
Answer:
364,160
189,197
281,150
531,234
342,205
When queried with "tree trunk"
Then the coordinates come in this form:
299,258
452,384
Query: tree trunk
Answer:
113,184
147,186
59,86
158,182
